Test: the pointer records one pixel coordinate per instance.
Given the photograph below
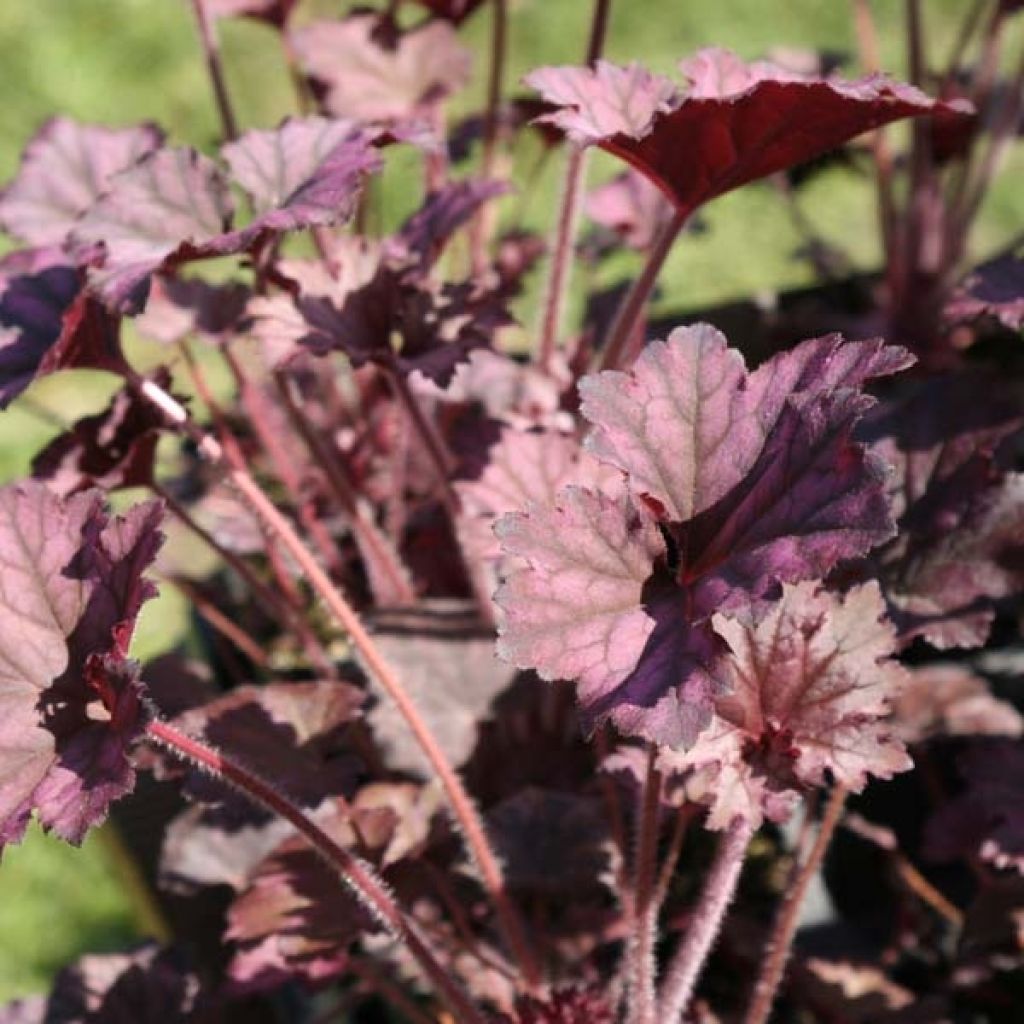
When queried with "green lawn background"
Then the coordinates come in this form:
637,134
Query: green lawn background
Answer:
120,61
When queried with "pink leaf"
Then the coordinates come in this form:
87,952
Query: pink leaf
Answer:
373,73
731,124
66,167
71,586
809,686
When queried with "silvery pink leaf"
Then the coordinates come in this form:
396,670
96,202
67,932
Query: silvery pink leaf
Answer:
306,172
172,206
961,520
371,72
630,206
810,685
448,667
591,607
24,1011
995,289
65,168
71,586
112,449
947,699
988,818
179,307
48,323
526,467
744,121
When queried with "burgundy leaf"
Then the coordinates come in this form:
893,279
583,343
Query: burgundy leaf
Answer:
960,545
309,171
173,205
295,920
149,984
274,12
180,307
745,121
551,843
291,733
563,1006
66,167
372,73
630,206
456,11
946,699
447,665
113,449
71,585
809,685
988,818
995,289
48,323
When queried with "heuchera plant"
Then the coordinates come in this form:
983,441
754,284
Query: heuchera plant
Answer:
542,670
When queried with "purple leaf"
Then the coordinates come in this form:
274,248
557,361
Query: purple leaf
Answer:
148,984
988,818
455,11
309,171
995,289
737,483
113,449
809,685
172,206
179,307
48,323
71,586
291,733
960,545
66,167
744,121
295,920
274,12
370,72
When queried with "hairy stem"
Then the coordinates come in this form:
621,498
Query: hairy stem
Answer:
563,244
619,348
705,923
355,873
463,809
641,963
680,826
211,51
784,929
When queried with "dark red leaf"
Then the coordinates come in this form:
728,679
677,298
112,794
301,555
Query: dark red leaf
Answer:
745,121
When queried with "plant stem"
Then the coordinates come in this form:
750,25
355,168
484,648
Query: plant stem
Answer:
619,348
784,929
492,127
641,963
463,809
684,816
563,244
705,923
211,51
356,874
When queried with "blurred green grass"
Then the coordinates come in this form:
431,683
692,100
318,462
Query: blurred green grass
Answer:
127,60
